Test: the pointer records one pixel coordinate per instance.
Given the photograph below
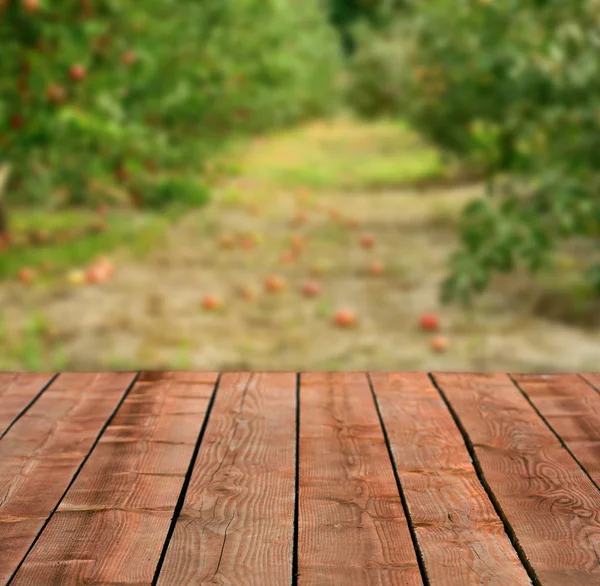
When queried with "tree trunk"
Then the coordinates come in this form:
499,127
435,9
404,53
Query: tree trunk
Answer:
4,174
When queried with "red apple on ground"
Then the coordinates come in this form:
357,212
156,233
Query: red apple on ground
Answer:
429,321
210,302
96,274
352,223
247,243
439,344
26,275
311,289
335,214
367,241
274,284
100,271
376,268
344,318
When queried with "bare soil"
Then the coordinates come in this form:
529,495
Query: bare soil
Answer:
149,316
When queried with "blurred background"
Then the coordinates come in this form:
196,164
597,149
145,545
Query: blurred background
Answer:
300,185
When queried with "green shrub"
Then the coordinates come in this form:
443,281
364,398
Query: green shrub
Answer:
514,88
174,191
375,77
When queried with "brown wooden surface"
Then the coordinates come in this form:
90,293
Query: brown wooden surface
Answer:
352,528
42,452
112,523
200,478
571,406
17,391
460,534
237,522
551,505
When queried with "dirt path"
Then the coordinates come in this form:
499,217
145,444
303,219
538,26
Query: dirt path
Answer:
149,315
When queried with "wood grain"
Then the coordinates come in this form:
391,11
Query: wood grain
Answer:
352,528
461,537
112,524
43,451
593,379
17,390
236,525
572,408
551,505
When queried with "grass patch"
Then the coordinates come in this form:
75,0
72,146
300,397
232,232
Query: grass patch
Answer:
31,348
68,242
346,155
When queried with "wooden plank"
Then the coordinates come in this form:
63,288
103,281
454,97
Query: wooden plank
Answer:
593,379
44,450
351,528
572,408
550,503
236,525
112,524
17,391
460,535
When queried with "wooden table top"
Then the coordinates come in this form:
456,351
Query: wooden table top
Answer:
328,479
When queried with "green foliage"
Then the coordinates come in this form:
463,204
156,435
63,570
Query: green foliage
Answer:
375,78
174,191
347,14
104,93
514,88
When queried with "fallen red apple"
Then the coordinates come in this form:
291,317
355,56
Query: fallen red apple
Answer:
376,268
26,275
345,318
210,302
247,243
429,321
439,344
311,289
96,274
367,241
352,223
274,284
335,214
